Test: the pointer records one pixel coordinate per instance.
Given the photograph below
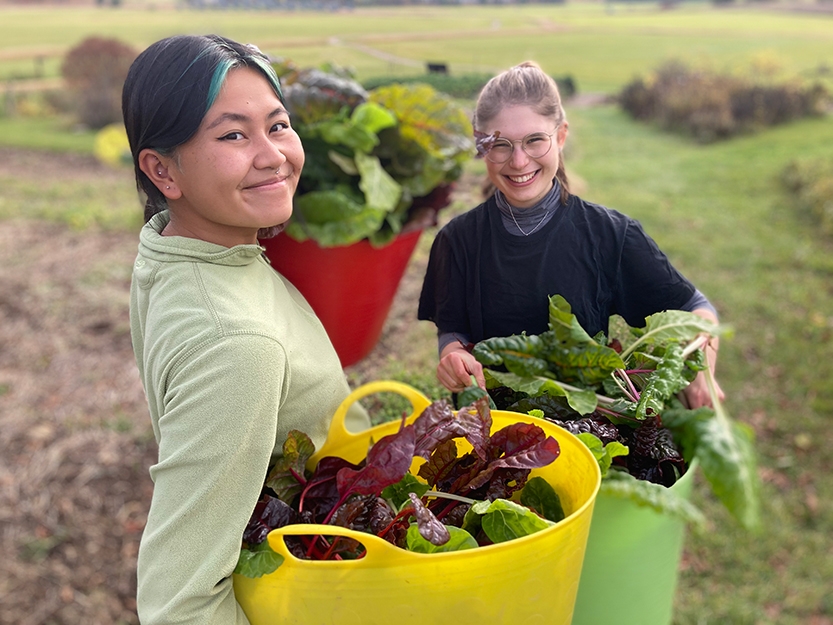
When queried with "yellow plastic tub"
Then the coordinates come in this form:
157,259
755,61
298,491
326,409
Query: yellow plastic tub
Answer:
531,580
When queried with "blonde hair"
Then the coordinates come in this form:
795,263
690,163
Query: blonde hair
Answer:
524,85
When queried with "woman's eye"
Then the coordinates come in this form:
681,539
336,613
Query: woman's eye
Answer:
280,126
232,136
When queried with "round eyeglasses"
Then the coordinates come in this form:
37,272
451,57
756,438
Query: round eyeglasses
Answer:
535,144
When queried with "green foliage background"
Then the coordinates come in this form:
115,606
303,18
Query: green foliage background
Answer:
718,210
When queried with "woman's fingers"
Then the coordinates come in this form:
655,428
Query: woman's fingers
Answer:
455,370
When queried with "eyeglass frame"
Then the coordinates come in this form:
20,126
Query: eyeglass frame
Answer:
521,141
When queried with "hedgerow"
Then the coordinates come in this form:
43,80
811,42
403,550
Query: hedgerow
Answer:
711,106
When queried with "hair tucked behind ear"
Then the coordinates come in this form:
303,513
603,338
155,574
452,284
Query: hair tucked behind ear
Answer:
523,85
169,89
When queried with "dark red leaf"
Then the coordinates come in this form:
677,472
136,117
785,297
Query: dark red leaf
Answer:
387,462
269,513
430,528
439,464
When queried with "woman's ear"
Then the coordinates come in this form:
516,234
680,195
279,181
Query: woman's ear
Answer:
155,167
561,135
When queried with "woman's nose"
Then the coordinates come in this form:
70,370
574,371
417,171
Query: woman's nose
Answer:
270,154
519,156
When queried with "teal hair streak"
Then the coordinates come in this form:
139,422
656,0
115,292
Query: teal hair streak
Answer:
222,70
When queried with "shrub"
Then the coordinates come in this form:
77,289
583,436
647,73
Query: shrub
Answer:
810,185
94,71
712,106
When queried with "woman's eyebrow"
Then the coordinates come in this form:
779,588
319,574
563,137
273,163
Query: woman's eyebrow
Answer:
239,117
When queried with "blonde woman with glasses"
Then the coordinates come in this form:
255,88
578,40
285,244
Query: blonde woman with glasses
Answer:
493,268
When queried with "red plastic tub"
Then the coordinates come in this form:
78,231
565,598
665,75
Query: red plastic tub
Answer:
350,288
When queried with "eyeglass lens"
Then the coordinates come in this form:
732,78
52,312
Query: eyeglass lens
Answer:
536,145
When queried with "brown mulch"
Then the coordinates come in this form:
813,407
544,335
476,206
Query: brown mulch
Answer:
75,444
75,437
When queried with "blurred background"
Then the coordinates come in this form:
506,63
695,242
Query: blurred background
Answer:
707,121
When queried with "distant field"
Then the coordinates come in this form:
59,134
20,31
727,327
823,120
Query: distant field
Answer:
602,45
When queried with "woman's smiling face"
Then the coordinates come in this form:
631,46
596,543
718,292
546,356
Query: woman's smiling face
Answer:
239,172
524,180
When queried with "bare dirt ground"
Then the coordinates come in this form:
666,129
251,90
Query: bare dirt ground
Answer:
75,438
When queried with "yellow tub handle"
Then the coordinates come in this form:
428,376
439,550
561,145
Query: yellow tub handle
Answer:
339,432
377,549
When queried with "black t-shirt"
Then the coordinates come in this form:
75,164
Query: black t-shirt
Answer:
483,282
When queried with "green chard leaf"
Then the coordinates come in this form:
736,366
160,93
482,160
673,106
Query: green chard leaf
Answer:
333,217
503,520
674,325
397,494
726,453
583,401
604,454
460,540
380,190
258,561
663,383
655,496
538,495
574,354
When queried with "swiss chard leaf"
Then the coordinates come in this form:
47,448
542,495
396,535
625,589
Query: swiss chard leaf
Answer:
459,539
258,561
604,454
663,383
283,478
269,513
725,451
522,355
387,462
643,493
583,401
673,325
380,190
398,494
430,528
333,217
524,447
438,424
540,497
504,520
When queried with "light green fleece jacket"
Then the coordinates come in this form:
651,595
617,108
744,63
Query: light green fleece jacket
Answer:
232,358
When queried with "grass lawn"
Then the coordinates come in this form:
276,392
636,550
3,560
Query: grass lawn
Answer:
720,214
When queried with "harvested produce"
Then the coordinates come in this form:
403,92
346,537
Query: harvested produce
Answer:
619,395
462,501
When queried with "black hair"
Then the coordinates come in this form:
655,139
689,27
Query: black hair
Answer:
169,89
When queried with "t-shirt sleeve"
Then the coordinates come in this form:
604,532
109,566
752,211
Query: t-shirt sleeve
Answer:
443,296
647,281
216,438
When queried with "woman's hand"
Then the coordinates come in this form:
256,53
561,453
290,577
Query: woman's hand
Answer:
457,366
696,394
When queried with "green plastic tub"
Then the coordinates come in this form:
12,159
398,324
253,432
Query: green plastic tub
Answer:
631,562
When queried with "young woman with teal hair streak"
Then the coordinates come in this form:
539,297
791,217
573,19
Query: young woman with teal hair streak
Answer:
231,356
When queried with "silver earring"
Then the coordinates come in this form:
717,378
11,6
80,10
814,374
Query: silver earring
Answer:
167,187
159,173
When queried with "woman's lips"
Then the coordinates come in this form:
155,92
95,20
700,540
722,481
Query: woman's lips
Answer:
522,179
